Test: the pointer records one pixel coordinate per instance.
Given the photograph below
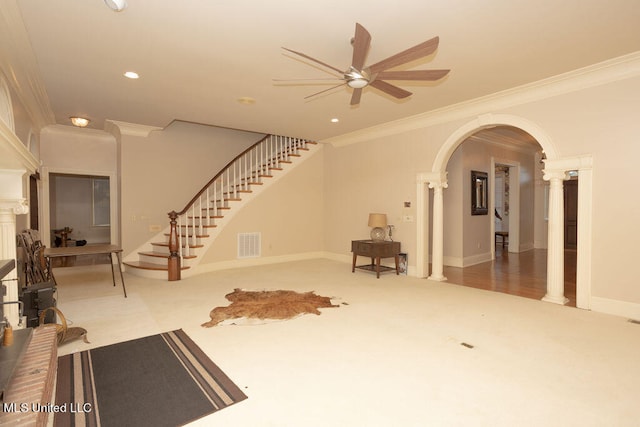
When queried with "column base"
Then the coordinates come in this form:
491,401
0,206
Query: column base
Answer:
437,278
562,300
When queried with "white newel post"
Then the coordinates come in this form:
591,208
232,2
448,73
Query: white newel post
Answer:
437,262
555,252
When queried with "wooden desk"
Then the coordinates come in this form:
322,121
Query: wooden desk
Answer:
376,251
90,250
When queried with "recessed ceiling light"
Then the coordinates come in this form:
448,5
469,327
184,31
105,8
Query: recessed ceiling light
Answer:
335,120
79,121
246,100
131,75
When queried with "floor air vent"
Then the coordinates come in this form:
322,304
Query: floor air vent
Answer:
249,245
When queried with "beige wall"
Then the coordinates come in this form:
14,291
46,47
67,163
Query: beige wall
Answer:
374,176
73,151
601,121
288,214
65,148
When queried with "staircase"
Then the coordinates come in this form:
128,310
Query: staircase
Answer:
193,230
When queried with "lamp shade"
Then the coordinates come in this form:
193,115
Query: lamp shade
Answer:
377,220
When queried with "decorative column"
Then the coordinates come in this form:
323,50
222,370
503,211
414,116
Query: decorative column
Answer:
422,227
585,230
9,208
555,251
437,262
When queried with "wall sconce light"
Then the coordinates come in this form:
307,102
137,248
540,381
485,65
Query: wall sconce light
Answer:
80,122
379,222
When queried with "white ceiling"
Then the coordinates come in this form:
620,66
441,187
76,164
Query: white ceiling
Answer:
196,58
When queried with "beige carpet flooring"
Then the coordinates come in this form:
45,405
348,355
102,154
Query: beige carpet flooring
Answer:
393,355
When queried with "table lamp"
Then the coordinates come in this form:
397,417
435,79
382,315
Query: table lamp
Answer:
379,222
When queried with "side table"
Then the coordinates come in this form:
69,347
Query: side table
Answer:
375,250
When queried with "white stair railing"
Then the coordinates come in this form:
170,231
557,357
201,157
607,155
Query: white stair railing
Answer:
208,206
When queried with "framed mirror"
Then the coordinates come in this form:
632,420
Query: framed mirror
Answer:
479,193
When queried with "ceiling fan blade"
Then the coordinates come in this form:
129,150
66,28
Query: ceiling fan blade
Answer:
426,75
315,60
321,81
392,90
411,54
323,91
361,43
355,98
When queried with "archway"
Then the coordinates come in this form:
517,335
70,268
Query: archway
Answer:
555,171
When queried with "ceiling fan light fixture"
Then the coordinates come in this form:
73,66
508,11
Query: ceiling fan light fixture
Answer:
116,5
358,83
356,79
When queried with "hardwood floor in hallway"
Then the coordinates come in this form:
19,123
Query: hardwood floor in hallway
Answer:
523,274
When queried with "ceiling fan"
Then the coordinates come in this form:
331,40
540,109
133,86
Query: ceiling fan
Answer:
357,76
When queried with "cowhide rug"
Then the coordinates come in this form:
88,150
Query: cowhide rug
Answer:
263,305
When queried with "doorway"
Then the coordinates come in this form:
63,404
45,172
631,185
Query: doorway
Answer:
79,209
34,223
501,212
554,167
571,213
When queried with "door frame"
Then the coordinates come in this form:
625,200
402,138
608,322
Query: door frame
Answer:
45,211
514,204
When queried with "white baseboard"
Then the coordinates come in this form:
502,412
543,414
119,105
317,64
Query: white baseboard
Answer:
626,309
466,261
452,261
250,262
527,247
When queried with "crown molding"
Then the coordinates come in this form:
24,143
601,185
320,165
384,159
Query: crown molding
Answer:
20,66
609,71
13,153
59,129
131,129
